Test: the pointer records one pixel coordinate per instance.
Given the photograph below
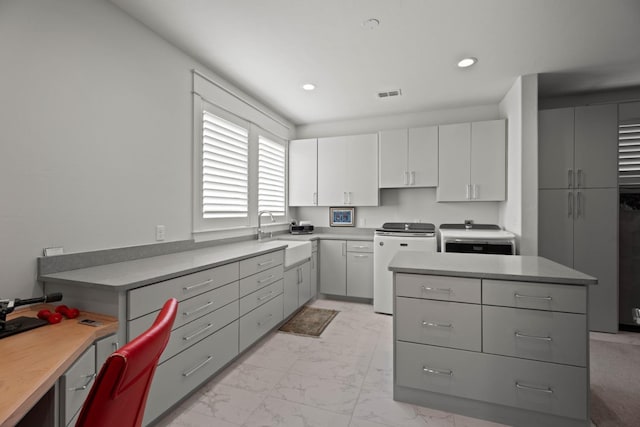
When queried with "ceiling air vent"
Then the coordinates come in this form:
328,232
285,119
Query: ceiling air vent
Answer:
389,94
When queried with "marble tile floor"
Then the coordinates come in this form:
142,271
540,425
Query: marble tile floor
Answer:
343,378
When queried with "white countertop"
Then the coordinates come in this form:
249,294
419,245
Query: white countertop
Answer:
501,267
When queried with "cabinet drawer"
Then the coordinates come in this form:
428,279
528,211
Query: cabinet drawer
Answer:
76,383
359,246
193,332
150,298
534,334
260,280
260,263
527,384
179,375
540,296
448,324
189,310
260,321
260,297
438,287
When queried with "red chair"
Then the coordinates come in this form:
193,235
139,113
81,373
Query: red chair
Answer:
119,394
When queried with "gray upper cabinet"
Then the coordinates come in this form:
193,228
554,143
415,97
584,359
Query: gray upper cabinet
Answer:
472,161
409,157
575,147
303,172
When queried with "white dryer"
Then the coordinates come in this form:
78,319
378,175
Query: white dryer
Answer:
388,240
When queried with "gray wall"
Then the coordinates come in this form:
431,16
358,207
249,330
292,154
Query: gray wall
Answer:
96,134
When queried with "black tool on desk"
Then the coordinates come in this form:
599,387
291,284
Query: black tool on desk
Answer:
22,323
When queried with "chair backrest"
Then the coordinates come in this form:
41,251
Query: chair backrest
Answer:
119,394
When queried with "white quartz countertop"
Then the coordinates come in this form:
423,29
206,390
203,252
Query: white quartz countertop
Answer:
130,274
501,267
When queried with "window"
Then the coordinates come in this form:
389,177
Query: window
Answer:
629,154
225,168
271,176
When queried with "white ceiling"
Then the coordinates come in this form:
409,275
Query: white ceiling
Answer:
269,48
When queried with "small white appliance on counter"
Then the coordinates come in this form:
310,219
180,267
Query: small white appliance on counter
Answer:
388,240
477,238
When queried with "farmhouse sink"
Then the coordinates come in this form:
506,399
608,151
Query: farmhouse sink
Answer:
296,251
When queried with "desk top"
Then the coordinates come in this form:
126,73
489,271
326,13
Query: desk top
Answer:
32,361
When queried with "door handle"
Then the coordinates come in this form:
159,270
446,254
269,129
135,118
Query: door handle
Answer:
475,191
580,178
405,177
570,205
467,191
570,178
412,179
315,198
579,207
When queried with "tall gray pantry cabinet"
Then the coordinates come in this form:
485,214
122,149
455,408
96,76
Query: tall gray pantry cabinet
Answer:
578,200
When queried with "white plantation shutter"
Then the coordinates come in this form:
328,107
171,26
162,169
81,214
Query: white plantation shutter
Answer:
629,154
225,160
271,176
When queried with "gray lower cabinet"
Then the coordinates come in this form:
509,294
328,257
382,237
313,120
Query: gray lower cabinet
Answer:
221,312
313,269
346,268
509,351
297,287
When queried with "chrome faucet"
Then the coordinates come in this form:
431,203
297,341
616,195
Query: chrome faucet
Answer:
262,234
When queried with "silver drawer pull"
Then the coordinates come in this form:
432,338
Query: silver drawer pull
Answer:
540,389
115,345
189,313
266,279
260,264
437,325
265,296
262,322
518,334
197,285
361,256
189,373
195,334
360,247
547,298
90,378
444,290
426,370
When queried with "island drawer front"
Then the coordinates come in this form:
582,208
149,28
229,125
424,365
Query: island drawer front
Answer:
540,296
534,334
260,263
188,310
256,323
448,324
178,376
438,287
258,298
503,380
150,298
260,280
359,246
194,332
76,383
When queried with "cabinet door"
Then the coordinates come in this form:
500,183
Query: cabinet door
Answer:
393,158
596,253
290,293
313,273
304,287
555,225
423,157
303,172
555,145
488,160
596,146
454,162
361,178
360,274
332,168
333,267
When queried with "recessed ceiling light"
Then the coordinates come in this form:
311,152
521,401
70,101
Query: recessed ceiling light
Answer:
371,23
308,86
467,62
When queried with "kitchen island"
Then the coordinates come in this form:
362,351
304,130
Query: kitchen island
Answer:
498,337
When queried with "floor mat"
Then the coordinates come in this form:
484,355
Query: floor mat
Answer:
309,321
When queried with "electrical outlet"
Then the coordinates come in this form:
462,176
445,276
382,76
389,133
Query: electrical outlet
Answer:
160,232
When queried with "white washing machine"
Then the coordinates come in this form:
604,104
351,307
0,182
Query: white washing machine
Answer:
388,240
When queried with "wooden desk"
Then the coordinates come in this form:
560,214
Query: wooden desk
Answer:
31,362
